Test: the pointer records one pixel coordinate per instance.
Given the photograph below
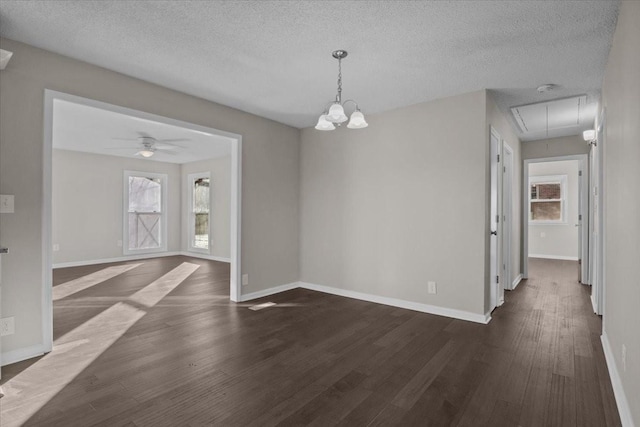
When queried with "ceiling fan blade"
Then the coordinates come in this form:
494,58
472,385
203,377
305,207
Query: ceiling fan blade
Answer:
126,139
169,152
144,135
120,148
174,140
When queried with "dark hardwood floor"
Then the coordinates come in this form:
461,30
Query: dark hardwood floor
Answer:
144,348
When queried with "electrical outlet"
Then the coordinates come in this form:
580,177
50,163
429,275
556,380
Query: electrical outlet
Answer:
624,358
245,279
7,326
56,247
431,288
6,203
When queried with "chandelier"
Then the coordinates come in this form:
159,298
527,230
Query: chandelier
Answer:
334,111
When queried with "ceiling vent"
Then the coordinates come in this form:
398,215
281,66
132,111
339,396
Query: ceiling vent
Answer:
550,119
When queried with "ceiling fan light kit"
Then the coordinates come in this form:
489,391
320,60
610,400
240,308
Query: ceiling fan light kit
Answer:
334,113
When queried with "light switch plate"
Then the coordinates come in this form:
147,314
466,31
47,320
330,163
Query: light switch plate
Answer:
6,203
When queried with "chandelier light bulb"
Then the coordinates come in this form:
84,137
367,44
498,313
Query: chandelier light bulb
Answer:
357,121
336,113
146,153
324,124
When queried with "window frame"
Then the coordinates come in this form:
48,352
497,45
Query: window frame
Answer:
549,179
191,178
164,181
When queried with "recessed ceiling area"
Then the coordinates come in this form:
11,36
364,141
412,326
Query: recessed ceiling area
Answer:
273,58
553,119
78,127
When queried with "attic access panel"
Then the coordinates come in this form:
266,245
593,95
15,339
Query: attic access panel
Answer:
542,117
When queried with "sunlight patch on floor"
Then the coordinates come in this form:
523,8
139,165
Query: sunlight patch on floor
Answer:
69,288
153,293
76,350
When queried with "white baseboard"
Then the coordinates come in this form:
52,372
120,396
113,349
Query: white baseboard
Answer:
561,257
116,259
409,305
516,281
205,256
21,354
269,291
139,257
616,382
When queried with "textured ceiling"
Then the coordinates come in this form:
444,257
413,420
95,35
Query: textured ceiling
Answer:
273,58
79,127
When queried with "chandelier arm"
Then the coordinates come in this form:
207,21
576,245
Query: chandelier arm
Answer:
351,100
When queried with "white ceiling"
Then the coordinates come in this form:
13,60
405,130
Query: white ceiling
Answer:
273,58
79,127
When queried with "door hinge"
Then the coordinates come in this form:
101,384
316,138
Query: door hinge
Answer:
497,279
504,169
497,218
579,173
498,157
580,217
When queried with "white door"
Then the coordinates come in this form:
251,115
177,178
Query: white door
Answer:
494,270
507,217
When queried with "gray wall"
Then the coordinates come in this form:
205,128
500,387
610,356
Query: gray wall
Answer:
557,240
87,204
220,190
621,99
496,119
387,208
554,147
270,174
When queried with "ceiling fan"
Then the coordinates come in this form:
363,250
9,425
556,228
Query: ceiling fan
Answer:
149,145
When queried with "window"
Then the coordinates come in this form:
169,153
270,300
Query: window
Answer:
199,211
547,199
145,207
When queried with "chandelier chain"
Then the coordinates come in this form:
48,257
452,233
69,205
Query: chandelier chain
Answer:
339,96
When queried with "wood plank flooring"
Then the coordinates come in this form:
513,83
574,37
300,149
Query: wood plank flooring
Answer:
194,358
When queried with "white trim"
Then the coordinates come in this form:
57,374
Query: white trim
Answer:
616,382
205,256
46,304
516,282
21,354
409,305
269,291
235,223
139,257
135,257
561,257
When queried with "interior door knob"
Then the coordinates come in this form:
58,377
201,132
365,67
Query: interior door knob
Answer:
495,233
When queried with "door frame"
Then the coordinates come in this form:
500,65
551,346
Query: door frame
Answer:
47,258
597,217
496,292
583,209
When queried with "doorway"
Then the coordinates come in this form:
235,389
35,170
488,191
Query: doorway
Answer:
555,211
235,141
